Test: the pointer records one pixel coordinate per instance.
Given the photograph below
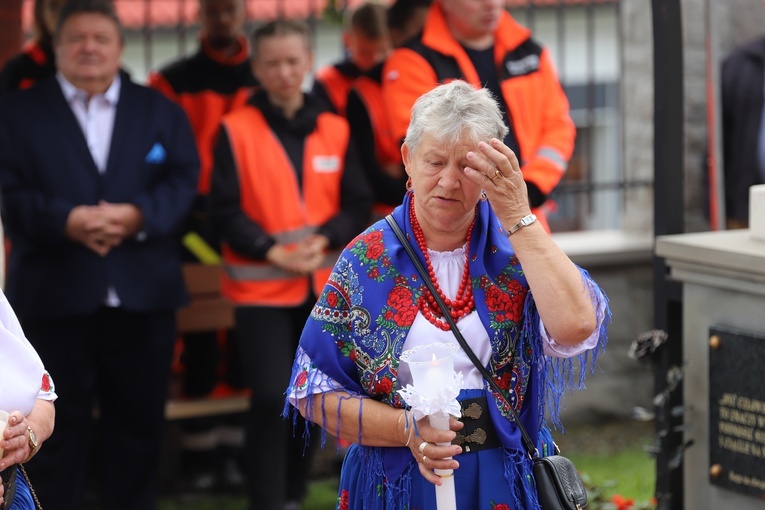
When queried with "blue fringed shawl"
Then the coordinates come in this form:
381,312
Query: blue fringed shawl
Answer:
357,328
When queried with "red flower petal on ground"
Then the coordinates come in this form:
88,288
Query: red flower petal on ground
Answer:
622,503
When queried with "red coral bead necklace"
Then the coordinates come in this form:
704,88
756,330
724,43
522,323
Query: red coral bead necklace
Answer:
463,304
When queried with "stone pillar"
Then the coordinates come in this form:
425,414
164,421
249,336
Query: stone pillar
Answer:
10,29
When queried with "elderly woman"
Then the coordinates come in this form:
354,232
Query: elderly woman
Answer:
27,395
522,305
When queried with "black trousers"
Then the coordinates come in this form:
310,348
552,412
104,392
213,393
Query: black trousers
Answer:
278,461
120,362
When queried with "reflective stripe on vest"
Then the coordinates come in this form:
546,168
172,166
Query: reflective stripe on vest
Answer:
265,272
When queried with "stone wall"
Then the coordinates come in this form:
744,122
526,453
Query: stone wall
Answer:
733,22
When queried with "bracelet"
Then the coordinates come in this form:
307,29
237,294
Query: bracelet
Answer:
407,426
398,422
525,222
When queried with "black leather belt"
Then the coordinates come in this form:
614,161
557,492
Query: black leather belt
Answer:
9,485
478,432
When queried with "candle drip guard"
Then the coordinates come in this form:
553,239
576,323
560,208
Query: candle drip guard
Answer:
435,383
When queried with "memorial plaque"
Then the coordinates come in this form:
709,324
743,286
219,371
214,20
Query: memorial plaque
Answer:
737,410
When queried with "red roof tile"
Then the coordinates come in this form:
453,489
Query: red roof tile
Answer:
170,13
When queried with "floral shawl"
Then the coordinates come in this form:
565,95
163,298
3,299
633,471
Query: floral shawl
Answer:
357,329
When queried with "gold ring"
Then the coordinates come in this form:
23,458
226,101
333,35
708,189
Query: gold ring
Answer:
497,174
422,447
424,458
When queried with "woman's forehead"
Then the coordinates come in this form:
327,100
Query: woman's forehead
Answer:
430,143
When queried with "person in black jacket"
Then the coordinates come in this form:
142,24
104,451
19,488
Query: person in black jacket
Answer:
207,85
36,61
742,128
97,174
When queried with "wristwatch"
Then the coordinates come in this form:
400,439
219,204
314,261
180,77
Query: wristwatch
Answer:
525,222
33,444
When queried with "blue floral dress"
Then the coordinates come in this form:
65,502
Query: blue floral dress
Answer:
354,339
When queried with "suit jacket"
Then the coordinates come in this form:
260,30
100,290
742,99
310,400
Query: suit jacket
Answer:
46,169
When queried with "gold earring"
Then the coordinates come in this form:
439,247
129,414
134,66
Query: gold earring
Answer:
409,184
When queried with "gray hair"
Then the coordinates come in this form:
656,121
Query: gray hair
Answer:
103,7
450,111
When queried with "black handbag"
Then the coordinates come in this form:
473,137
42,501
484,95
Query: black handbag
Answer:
559,486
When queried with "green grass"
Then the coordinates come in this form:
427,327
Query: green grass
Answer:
629,473
613,460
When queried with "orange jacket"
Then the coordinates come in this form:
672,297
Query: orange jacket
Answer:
336,85
535,100
387,146
207,86
272,198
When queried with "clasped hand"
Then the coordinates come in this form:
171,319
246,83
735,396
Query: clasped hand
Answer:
15,445
15,442
302,257
104,226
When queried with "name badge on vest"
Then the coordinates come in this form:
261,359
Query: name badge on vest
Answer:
522,66
326,164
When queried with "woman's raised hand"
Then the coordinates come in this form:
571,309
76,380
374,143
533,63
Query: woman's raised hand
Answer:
495,167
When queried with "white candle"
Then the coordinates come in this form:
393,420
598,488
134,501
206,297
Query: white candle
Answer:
432,369
445,495
431,374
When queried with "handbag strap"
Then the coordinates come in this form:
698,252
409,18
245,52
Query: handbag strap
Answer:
527,442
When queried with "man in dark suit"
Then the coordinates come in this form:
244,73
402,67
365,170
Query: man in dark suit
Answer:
97,173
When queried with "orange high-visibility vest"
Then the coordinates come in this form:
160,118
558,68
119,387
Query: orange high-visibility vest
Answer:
207,86
536,103
337,85
387,147
272,198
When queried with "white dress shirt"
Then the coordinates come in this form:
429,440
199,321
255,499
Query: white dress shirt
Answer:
96,119
448,267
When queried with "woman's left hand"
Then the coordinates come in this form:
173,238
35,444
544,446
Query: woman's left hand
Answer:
15,441
495,167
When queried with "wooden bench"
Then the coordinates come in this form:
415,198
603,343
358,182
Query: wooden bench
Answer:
207,311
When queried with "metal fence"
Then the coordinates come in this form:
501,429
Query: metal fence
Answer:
584,37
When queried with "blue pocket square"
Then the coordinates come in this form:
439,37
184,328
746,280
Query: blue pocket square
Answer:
157,154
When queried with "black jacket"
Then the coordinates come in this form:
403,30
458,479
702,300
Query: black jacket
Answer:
46,169
743,74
